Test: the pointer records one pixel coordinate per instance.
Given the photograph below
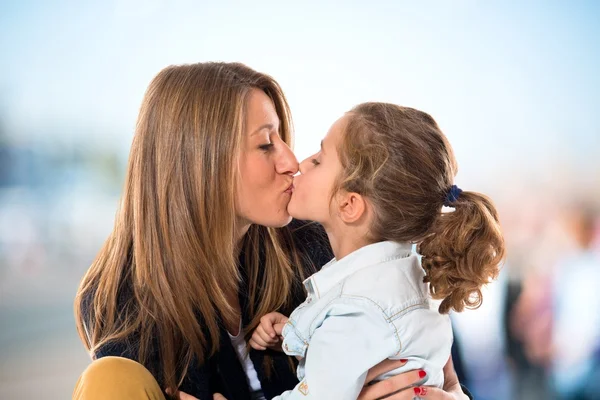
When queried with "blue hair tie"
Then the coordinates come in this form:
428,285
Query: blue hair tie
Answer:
452,195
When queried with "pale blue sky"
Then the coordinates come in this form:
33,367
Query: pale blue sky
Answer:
510,83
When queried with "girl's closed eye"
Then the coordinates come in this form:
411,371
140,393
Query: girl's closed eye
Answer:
314,161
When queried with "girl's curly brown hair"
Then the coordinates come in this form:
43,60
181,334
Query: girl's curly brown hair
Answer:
400,160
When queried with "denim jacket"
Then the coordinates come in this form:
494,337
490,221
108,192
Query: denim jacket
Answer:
360,310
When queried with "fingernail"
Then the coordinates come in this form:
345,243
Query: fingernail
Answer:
417,391
403,360
422,374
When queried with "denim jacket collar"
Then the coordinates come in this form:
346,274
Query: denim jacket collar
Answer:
337,270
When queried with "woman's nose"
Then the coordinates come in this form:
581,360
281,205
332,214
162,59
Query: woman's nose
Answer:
287,162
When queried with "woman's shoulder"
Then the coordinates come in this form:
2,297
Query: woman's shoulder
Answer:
303,227
308,231
118,348
311,240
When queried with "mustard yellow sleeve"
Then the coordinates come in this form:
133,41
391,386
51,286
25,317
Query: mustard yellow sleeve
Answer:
117,378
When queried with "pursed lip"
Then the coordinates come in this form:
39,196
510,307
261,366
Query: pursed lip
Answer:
290,189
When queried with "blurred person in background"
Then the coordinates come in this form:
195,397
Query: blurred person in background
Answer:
537,241
200,249
555,320
575,323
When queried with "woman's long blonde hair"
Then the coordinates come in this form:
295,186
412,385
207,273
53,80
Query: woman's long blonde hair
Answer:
163,275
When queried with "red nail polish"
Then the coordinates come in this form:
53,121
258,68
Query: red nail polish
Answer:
403,360
417,391
422,374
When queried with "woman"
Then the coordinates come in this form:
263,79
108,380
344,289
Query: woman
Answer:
203,246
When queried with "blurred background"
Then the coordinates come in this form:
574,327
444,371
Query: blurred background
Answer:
514,85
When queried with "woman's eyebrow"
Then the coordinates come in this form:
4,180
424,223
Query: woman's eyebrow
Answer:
260,128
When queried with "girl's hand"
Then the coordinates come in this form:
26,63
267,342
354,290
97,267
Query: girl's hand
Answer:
268,333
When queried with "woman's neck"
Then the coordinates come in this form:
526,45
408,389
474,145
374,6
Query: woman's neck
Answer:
232,324
239,237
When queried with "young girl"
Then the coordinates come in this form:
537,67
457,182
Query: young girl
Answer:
377,186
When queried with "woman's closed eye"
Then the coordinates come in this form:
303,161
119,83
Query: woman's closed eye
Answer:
314,161
266,147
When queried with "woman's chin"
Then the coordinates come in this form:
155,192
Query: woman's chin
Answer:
282,221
